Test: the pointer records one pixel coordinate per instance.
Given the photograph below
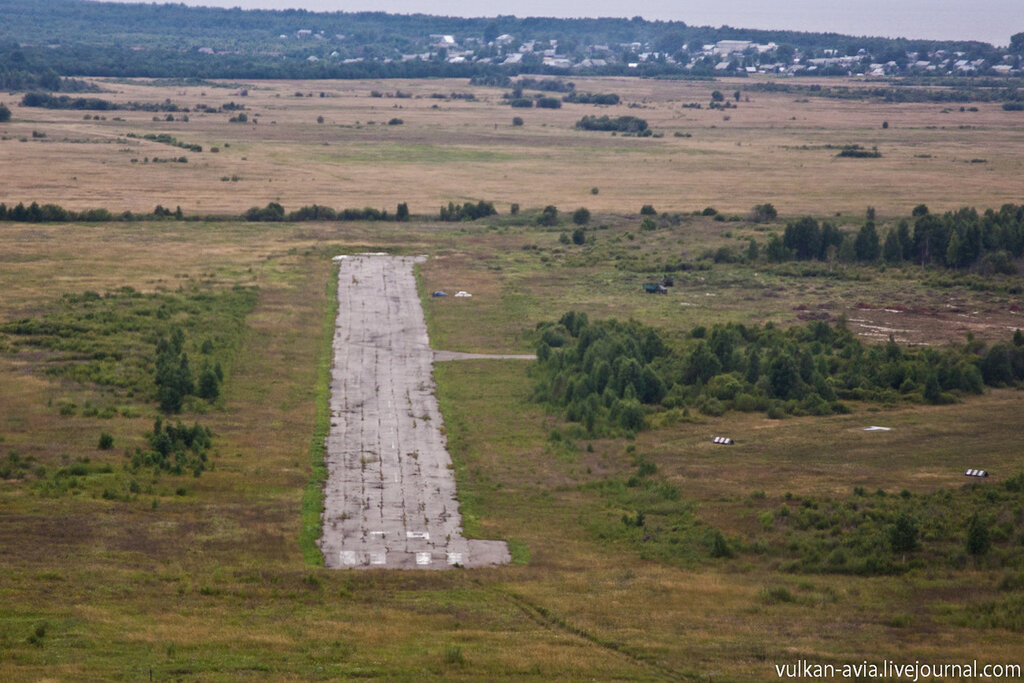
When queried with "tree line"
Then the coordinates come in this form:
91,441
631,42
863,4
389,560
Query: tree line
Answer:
607,375
961,239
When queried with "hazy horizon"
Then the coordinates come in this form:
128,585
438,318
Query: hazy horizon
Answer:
991,21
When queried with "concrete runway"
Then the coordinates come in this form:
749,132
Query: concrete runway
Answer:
389,501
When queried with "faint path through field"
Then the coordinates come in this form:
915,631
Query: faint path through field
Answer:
389,501
459,355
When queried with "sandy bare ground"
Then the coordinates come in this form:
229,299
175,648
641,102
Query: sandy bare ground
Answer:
390,495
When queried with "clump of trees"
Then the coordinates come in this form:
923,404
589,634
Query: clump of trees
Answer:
621,124
274,212
544,84
591,98
167,139
962,239
608,375
763,213
174,381
174,448
858,152
468,211
549,216
54,213
50,101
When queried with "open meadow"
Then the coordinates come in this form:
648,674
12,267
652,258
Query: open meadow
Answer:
638,555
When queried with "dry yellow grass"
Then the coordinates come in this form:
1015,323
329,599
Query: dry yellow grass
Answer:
767,149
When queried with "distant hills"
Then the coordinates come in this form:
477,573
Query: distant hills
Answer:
39,41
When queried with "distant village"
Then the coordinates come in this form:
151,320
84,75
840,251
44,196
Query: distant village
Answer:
724,57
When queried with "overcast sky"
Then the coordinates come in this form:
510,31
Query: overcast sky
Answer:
992,21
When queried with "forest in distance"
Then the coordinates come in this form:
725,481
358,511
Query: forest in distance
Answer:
64,38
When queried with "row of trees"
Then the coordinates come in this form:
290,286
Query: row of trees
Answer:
468,211
591,98
957,239
602,374
621,124
274,212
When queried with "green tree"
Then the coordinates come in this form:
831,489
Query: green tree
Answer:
719,546
717,96
784,376
173,375
905,239
903,534
784,53
581,216
979,541
402,212
776,250
763,213
753,250
549,216
892,252
578,236
209,384
932,389
1017,43
866,243
803,238
5,113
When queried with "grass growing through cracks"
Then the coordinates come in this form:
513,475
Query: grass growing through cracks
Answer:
313,493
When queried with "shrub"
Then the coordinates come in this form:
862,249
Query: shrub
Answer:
395,122
106,442
271,212
581,216
521,102
591,98
979,542
763,213
620,124
578,236
903,534
549,216
648,210
858,152
5,113
517,120
549,103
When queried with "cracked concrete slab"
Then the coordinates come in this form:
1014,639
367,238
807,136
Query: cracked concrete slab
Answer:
389,500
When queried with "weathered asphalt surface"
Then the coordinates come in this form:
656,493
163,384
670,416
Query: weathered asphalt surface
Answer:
390,495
